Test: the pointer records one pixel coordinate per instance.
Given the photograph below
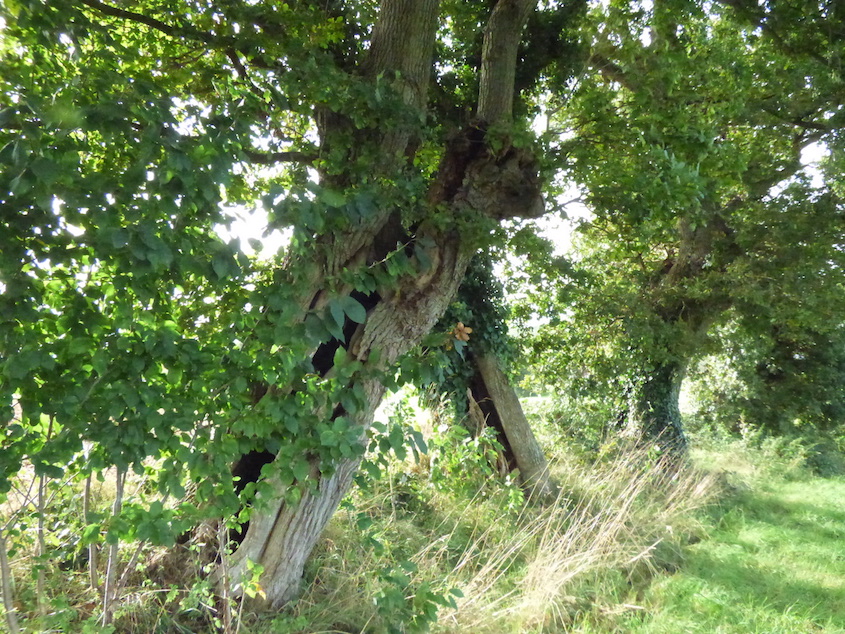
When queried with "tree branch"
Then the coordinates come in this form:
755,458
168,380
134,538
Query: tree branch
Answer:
271,158
498,58
761,187
158,25
612,71
769,24
228,44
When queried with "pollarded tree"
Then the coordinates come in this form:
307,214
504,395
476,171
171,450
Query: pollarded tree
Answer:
382,135
688,141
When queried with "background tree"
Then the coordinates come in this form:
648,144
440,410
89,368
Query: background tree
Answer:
781,380
688,142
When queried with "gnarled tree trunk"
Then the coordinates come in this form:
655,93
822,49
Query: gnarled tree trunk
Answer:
280,536
654,412
471,182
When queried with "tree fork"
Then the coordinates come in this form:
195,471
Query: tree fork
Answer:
471,180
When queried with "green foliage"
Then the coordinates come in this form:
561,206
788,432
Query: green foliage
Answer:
688,155
781,383
133,340
479,305
399,434
463,461
786,381
408,609
136,344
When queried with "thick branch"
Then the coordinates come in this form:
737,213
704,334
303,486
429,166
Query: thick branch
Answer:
761,187
532,464
403,40
402,46
498,58
228,44
612,71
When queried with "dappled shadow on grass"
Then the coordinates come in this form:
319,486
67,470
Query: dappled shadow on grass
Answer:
798,513
774,562
732,581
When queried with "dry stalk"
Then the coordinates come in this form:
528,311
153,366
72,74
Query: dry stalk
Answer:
6,584
110,585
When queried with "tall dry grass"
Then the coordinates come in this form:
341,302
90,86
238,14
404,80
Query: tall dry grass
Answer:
606,525
614,524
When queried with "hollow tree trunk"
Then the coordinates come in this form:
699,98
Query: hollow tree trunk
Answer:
471,182
502,410
655,414
280,536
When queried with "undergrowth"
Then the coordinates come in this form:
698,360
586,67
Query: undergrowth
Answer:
439,542
487,561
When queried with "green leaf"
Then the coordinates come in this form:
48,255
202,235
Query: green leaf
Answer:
49,470
335,329
90,534
301,470
328,438
119,238
315,328
221,264
333,198
372,469
354,310
341,357
336,311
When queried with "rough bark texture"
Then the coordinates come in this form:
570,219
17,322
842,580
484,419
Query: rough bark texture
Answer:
470,181
498,68
280,537
523,445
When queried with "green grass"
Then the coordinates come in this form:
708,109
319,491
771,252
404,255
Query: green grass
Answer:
744,541
774,561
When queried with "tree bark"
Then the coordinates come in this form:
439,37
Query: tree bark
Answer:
471,181
498,70
504,411
280,537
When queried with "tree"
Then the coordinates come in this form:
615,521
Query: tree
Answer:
688,141
477,384
782,379
130,329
